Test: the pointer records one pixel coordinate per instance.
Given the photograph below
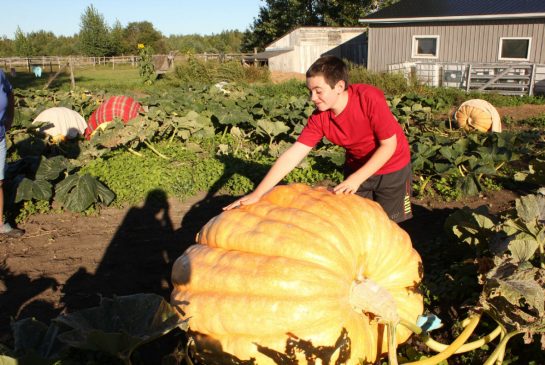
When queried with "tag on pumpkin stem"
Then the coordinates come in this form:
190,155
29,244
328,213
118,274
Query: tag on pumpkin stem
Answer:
429,322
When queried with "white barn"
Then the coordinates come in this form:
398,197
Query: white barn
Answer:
297,50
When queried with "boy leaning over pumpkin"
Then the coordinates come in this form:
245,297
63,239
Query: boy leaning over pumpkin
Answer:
357,118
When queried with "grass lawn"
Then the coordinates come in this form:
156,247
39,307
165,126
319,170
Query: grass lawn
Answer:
122,78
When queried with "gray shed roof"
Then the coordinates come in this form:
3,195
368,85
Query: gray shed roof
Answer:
456,10
265,55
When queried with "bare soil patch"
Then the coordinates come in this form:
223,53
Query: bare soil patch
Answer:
522,112
66,262
278,77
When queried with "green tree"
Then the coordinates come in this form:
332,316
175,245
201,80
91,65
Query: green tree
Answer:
118,46
22,45
228,41
7,47
63,46
143,33
279,17
94,34
40,42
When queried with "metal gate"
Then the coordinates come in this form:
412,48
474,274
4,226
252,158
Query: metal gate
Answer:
507,79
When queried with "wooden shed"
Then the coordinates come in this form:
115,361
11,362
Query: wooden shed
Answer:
297,50
486,45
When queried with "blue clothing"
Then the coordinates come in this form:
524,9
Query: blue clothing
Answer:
37,71
5,90
3,153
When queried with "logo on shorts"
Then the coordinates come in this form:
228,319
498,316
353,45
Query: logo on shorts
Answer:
407,205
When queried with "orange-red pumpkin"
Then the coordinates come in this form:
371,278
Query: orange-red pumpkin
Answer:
301,274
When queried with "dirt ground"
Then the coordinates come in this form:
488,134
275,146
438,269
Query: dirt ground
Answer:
278,77
66,262
517,113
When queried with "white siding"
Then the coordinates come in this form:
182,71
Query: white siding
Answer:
311,43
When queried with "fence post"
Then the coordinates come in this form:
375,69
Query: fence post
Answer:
532,80
72,79
468,79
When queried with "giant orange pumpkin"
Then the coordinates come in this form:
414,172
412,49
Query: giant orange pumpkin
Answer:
302,274
478,114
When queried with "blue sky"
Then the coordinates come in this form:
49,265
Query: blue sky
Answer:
63,17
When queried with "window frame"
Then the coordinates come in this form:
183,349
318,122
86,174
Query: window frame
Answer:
414,50
500,58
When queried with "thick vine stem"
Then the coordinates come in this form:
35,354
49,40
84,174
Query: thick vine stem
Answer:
438,347
155,151
453,347
136,153
500,350
470,346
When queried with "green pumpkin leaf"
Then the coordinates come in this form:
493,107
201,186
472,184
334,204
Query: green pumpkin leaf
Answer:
528,208
51,168
271,129
104,194
77,193
33,189
121,324
468,185
523,250
35,341
514,294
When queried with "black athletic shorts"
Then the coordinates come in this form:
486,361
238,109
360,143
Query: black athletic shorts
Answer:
392,191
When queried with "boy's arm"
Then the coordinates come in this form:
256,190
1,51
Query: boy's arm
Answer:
283,165
383,153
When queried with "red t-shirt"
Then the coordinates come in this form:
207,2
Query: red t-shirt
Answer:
364,122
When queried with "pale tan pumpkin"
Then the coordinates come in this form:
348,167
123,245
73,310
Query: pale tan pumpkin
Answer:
478,114
62,123
289,272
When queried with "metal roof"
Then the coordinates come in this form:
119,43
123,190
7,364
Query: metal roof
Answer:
265,55
456,10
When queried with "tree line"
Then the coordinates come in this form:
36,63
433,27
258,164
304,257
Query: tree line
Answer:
275,19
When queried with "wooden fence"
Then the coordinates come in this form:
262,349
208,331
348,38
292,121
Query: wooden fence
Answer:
53,63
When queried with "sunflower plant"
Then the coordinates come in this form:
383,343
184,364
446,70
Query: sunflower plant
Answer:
145,63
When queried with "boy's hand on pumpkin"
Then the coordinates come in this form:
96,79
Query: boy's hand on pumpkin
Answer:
348,186
245,200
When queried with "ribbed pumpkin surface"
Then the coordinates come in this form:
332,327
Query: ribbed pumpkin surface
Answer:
62,122
478,114
272,280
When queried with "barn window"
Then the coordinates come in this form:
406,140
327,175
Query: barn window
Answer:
514,48
425,46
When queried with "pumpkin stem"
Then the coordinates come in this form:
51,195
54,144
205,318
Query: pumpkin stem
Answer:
368,297
392,343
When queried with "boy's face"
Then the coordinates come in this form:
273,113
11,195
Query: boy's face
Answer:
322,95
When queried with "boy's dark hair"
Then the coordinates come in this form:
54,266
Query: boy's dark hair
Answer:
332,68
